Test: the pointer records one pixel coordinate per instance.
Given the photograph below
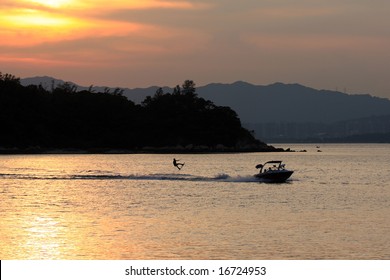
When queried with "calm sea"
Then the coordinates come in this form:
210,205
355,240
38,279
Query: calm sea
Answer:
335,206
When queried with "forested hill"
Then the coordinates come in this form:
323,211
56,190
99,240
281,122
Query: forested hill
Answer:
35,119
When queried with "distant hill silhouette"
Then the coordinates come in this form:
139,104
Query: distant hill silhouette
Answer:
293,103
295,113
276,102
48,83
286,111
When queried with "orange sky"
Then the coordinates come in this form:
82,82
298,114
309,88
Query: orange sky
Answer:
333,44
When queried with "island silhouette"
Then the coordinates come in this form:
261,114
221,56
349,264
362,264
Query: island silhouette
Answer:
35,119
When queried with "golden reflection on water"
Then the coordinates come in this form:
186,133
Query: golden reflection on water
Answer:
42,238
39,236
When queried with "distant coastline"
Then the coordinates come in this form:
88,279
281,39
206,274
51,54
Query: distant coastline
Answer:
144,150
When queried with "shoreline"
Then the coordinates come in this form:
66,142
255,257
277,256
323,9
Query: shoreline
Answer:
144,150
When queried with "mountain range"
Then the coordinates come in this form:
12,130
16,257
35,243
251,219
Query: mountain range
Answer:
285,111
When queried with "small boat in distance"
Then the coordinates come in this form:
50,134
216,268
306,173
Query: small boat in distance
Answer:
273,171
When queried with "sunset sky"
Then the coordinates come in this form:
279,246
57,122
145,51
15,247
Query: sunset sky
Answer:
325,44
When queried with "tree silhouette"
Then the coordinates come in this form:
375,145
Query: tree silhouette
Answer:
189,87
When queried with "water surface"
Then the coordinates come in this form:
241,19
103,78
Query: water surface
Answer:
336,206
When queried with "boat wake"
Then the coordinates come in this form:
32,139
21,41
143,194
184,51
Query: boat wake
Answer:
141,177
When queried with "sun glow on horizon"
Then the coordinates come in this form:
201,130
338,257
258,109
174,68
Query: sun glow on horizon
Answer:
30,18
52,3
28,27
33,22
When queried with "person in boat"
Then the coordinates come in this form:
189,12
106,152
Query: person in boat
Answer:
177,164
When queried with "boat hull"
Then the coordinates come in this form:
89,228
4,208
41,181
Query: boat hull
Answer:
279,176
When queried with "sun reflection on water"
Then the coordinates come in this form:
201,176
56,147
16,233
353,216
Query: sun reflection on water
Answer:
42,238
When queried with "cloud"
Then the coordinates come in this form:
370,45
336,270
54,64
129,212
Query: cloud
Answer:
31,23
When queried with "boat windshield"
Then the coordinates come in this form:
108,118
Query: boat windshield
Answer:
273,165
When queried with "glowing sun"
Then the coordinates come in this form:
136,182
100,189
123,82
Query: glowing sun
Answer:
51,3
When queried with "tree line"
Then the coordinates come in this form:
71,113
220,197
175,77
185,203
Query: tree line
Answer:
65,118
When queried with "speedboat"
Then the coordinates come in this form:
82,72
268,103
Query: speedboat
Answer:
273,171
